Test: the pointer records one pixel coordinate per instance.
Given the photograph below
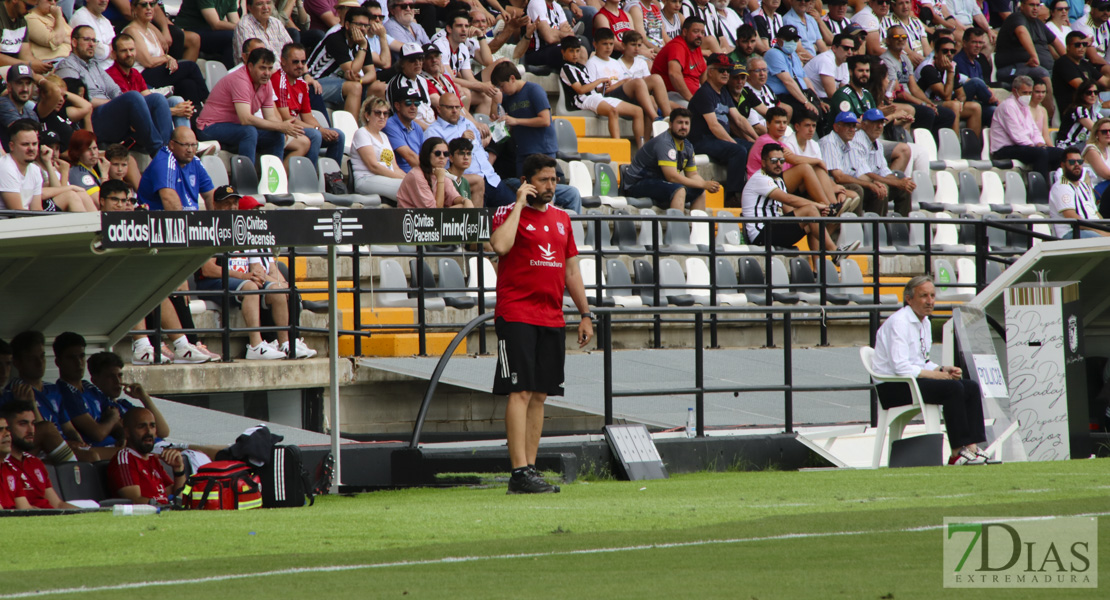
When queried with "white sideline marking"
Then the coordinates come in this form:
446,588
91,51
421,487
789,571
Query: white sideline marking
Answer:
464,559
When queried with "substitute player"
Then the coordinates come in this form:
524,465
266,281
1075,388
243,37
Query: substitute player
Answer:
538,261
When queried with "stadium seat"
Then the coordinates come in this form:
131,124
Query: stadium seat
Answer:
483,119
948,150
778,279
645,276
451,277
946,236
594,227
624,234
802,281
833,292
82,481
323,119
273,179
243,176
214,71
969,194
967,274
993,194
416,268
588,268
870,229
347,123
917,230
1000,240
580,236
1041,228
850,274
672,283
567,144
728,290
1036,192
944,276
647,230
676,238
303,181
699,231
619,284
892,422
489,280
578,177
751,277
899,236
729,236
923,192
697,278
216,170
851,231
327,165
659,128
1015,194
561,109
393,277
924,140
606,179
947,195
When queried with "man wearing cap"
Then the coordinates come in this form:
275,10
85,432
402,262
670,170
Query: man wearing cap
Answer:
868,157
681,64
117,115
16,104
175,179
337,63
809,32
485,183
407,84
258,24
714,114
403,129
438,81
456,56
402,25
292,104
829,70
664,169
786,75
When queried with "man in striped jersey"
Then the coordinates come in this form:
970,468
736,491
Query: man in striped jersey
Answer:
764,196
714,41
337,62
1072,198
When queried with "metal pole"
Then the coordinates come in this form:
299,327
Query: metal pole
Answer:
226,306
656,232
607,366
699,375
422,285
356,280
787,373
333,366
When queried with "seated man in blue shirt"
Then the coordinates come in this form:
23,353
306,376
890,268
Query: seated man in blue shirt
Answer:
484,181
975,66
811,42
786,77
175,179
404,133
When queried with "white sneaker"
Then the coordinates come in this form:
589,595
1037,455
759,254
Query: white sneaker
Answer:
205,351
264,351
142,356
189,354
302,349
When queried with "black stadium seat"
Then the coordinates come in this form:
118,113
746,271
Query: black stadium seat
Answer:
451,276
85,481
752,275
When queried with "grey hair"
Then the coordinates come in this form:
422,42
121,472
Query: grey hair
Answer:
752,61
1022,81
912,285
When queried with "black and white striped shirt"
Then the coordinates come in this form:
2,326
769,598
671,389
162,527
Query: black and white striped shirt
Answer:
915,30
1072,132
767,27
707,13
836,26
756,201
577,74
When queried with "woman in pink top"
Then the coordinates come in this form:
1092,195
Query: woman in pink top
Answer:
426,187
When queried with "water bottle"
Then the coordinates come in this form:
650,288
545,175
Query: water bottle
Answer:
128,510
691,423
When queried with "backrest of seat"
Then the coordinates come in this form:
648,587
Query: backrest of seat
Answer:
579,177
345,122
605,180
79,481
946,190
949,146
645,275
214,71
450,276
851,231
1015,188
946,234
969,188
996,237
726,277
850,273
303,178
725,229
869,230
972,147
671,278
565,136
243,175
699,232
392,276
216,170
923,138
866,355
967,225
944,274
800,275
777,274
647,230
677,232
591,229
750,271
924,190
322,118
580,236
697,275
899,233
489,275
966,272
993,192
830,276
429,278
624,231
588,268
659,128
917,230
1037,190
985,154
482,118
616,274
325,165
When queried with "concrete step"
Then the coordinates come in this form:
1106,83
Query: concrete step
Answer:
619,151
400,344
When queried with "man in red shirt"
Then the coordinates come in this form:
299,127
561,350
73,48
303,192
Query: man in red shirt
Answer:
11,492
681,64
32,479
135,473
538,260
292,103
129,79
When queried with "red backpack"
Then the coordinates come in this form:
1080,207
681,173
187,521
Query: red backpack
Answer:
222,485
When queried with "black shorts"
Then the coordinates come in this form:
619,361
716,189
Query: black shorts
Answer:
529,358
783,235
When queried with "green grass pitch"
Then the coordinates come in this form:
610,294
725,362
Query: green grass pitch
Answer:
818,534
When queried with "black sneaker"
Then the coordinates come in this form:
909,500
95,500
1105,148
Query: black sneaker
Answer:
540,477
530,483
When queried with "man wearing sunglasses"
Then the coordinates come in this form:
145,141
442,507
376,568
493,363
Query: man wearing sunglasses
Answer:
292,104
901,13
829,70
1073,198
1096,28
765,196
1073,68
937,77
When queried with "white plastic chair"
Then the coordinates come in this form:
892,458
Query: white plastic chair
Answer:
892,421
945,275
697,277
489,279
659,128
393,276
699,232
272,179
579,177
992,192
347,123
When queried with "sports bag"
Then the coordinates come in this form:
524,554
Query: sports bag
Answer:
285,482
222,485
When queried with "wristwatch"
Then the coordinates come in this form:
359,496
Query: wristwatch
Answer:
589,315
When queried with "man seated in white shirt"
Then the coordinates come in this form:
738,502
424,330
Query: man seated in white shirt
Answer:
902,348
1073,198
650,94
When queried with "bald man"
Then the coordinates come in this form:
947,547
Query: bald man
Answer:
137,474
175,179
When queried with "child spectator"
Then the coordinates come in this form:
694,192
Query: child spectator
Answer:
121,166
585,93
635,82
461,150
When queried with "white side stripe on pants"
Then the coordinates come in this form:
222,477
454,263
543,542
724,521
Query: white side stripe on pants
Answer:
503,358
